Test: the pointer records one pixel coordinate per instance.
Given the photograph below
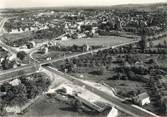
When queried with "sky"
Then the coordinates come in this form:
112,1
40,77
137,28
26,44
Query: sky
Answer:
61,3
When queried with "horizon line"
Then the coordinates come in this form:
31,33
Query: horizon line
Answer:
83,6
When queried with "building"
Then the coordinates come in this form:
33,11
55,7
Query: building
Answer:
44,50
15,82
113,112
142,99
64,38
86,97
30,44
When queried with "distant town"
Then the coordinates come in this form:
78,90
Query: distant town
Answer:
84,62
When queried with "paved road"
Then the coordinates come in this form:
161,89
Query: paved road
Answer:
6,47
6,75
113,101
3,21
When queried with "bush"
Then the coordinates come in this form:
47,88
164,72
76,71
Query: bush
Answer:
21,55
98,72
27,89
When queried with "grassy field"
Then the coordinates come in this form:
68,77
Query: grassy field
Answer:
103,40
52,54
162,60
17,36
121,85
87,73
161,41
3,53
49,107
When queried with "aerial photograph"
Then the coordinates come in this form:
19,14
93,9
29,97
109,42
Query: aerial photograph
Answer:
83,58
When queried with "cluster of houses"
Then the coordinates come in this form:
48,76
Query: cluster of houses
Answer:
79,30
34,22
72,29
130,22
35,27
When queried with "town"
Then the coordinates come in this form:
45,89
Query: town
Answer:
86,62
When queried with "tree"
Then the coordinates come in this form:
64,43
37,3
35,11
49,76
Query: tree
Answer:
32,90
165,44
15,95
5,87
42,83
151,44
131,75
21,55
20,95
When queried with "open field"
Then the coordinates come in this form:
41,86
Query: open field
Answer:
25,36
52,55
103,40
160,41
3,53
54,108
121,85
126,87
162,61
17,36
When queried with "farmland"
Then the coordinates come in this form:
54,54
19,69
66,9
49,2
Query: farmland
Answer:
54,108
102,40
102,68
128,73
17,39
160,41
3,53
162,60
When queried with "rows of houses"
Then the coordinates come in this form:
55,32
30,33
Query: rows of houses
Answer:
37,26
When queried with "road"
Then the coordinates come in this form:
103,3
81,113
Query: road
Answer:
6,75
8,48
11,50
3,21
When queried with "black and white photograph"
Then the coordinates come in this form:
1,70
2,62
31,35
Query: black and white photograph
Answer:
83,58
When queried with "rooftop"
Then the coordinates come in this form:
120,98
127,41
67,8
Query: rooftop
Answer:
143,96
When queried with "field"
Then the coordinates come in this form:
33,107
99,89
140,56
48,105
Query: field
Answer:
3,53
162,60
52,55
161,41
52,108
88,72
103,40
122,86
17,36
